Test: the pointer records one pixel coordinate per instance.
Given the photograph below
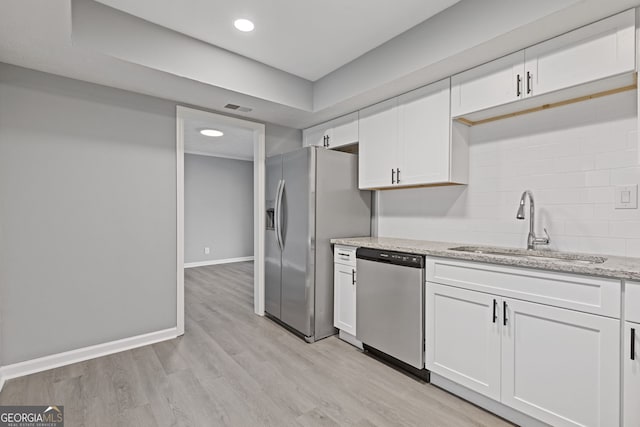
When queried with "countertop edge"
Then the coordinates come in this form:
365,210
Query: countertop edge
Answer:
613,268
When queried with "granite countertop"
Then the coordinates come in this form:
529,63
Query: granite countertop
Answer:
614,267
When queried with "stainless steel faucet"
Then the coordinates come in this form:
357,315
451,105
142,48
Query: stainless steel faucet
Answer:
532,239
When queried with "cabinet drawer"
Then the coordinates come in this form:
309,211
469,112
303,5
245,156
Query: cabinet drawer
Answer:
582,293
632,302
345,255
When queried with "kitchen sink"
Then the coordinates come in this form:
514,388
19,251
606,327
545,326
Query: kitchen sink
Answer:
538,255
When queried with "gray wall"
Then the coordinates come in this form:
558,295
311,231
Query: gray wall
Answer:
87,214
280,139
218,208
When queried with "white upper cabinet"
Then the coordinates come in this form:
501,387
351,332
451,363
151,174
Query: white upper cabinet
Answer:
604,49
316,135
378,145
423,141
409,141
495,83
333,134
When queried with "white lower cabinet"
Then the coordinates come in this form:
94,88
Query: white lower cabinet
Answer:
344,302
561,366
463,337
631,374
344,289
554,364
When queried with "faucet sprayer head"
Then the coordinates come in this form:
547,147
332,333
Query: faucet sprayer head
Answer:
520,214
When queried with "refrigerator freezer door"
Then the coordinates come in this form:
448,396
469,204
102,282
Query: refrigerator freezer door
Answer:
298,209
273,255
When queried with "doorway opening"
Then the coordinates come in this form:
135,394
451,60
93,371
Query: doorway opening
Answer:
245,141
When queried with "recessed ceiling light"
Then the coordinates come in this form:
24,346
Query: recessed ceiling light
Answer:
211,132
244,25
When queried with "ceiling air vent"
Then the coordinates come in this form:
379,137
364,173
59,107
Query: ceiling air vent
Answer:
238,108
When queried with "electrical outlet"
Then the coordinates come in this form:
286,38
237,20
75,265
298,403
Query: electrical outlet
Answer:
207,250
626,197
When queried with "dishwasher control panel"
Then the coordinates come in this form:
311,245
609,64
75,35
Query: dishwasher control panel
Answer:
391,257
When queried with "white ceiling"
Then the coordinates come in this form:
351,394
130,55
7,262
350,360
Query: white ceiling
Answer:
236,143
38,34
306,38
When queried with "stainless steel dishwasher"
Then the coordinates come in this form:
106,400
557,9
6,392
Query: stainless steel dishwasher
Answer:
390,306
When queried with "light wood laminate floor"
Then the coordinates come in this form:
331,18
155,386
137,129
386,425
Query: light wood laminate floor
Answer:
235,368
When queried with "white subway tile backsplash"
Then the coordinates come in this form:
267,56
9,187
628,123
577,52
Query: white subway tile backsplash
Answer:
633,248
600,178
574,212
600,195
625,176
571,158
562,196
604,142
537,167
587,228
617,159
626,229
609,212
571,164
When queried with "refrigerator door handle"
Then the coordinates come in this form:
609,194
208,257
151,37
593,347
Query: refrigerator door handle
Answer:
278,214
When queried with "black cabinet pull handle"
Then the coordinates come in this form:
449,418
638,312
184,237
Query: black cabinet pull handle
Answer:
328,139
495,311
353,277
504,313
633,344
529,77
518,85
393,176
397,176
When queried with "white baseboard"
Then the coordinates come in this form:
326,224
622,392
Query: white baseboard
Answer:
217,261
74,356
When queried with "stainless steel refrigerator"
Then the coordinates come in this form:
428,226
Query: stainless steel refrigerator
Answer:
312,196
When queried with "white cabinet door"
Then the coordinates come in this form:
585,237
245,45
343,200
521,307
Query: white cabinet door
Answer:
590,53
495,83
344,298
561,366
632,301
631,375
463,337
316,135
424,137
378,145
333,134
344,131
